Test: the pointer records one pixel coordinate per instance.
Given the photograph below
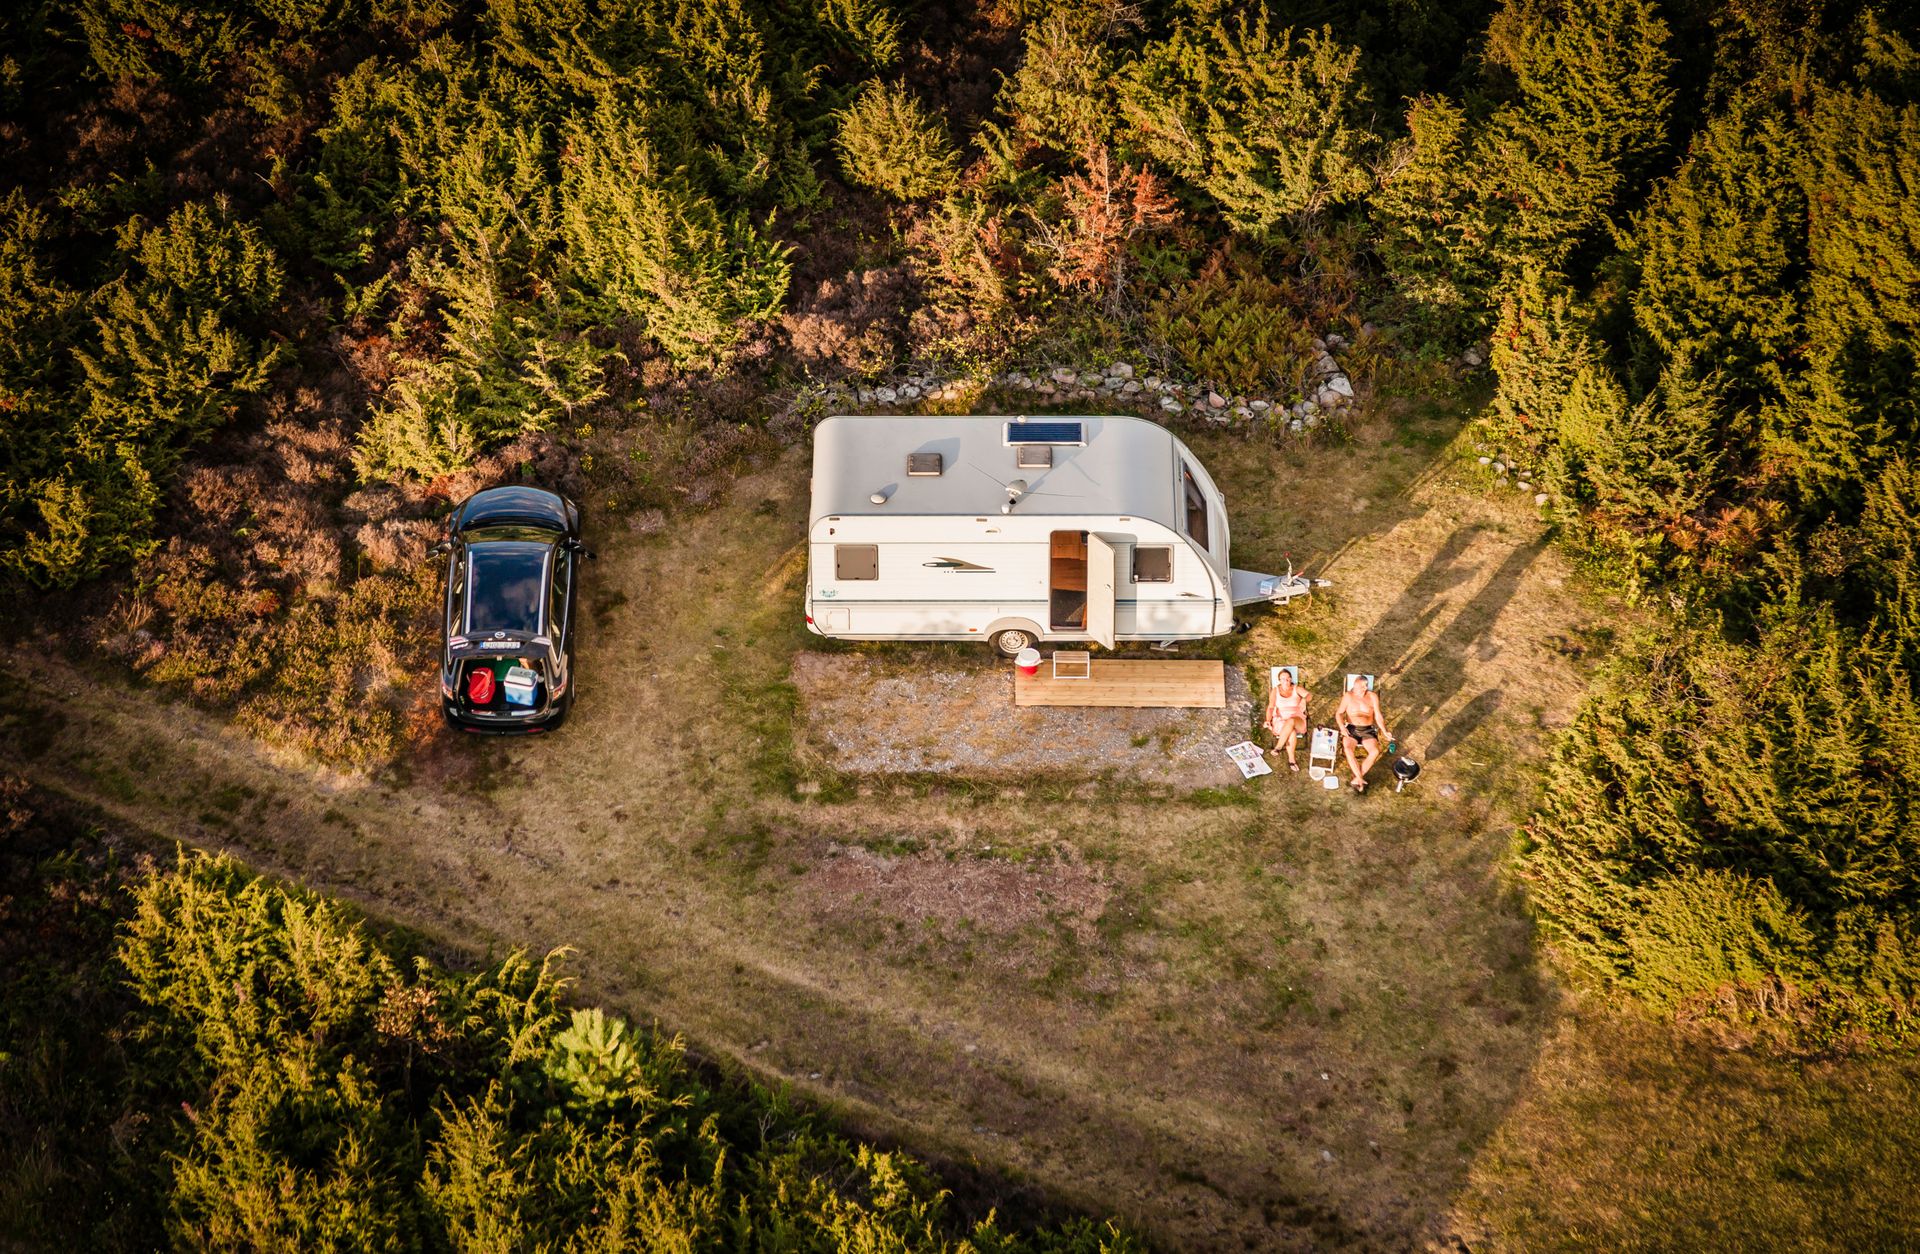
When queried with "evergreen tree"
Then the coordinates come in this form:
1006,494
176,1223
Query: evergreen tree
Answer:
1589,95
1275,127
1433,231
890,142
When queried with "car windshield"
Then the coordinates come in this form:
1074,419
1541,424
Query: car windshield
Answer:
503,592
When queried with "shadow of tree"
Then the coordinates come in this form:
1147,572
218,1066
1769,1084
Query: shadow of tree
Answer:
1436,670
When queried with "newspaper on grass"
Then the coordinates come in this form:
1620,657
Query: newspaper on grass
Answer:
1247,756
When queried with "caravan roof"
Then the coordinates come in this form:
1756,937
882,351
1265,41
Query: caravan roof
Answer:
1099,465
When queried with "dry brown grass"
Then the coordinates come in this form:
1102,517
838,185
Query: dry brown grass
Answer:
1265,1019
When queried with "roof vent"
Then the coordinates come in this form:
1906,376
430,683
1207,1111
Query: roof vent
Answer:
1046,431
1033,456
923,465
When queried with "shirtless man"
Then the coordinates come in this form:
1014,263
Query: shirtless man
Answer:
1362,726
1286,714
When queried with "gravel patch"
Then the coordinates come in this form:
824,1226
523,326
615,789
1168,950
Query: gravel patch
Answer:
896,715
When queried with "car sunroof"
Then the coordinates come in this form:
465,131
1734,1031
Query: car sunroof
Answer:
504,592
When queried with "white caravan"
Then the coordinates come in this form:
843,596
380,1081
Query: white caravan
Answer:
1017,530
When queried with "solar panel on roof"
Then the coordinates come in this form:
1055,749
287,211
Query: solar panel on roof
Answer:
1046,432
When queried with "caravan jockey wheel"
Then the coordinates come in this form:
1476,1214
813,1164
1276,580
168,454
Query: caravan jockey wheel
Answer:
1007,643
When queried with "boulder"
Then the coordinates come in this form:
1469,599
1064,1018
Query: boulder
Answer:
1063,375
909,392
1259,407
1130,387
1170,405
1120,370
1341,386
1216,401
886,396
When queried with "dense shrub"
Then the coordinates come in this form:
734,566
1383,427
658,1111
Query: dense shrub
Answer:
890,142
310,1089
1274,126
103,415
1237,329
1728,815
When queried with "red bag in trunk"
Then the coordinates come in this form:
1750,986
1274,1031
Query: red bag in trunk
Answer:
480,685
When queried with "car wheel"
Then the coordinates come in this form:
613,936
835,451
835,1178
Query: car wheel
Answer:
1007,643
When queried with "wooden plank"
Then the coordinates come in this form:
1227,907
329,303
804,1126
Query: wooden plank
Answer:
1125,682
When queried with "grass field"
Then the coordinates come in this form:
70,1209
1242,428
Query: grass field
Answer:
1257,1018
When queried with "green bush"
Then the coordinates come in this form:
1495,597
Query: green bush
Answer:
1725,815
310,1090
103,416
1274,127
639,242
1236,329
890,142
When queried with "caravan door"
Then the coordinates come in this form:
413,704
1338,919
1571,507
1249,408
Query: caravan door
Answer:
1100,592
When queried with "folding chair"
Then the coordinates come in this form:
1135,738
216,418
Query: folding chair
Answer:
1323,754
1348,687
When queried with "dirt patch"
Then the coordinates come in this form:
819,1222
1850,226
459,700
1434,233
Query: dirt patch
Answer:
868,714
980,892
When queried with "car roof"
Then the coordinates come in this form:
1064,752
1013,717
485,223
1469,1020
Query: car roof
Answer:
506,586
515,506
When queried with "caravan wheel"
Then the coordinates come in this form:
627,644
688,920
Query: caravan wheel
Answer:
1008,643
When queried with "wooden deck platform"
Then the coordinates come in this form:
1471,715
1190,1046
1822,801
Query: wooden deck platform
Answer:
1122,682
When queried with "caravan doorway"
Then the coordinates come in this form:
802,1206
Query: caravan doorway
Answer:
1080,585
1067,584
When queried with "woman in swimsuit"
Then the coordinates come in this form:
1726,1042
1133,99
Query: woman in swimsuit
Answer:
1287,714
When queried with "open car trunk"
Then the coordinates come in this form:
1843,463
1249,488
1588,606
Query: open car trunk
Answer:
521,686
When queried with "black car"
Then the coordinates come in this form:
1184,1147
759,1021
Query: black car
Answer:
506,658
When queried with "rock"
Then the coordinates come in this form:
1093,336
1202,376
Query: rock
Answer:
1499,468
1044,388
1336,340
1312,421
1295,425
1259,407
1120,370
1130,387
1524,486
1369,330
909,392
1308,407
1540,498
1324,364
1319,345
1064,375
1170,405
1023,383
1153,383
1216,401
1111,383
1471,358
1340,384
1326,1156
1448,790
1241,411
865,395
1486,461
886,396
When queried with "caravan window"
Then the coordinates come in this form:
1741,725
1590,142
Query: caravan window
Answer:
1153,565
1196,503
856,561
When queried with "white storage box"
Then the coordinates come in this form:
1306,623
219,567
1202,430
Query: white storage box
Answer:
519,685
